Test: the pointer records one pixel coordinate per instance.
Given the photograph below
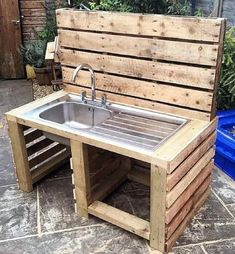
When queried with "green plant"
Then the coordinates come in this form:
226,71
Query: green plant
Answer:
34,53
178,7
226,91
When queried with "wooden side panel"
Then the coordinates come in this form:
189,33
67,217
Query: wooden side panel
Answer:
188,188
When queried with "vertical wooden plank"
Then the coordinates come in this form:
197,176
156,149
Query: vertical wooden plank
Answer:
218,67
81,176
157,207
16,135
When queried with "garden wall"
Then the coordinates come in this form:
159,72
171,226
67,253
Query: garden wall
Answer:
34,15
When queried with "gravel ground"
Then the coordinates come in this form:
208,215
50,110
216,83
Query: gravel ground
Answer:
41,91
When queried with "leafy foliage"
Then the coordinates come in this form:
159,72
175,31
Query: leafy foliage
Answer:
226,91
33,53
176,7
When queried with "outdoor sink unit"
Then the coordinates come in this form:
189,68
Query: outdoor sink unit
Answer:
132,126
156,127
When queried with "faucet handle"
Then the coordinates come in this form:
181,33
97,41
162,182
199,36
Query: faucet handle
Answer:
83,95
104,99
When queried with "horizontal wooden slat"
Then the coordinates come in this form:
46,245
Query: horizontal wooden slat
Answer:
195,53
32,4
186,165
35,147
32,135
120,218
143,103
142,89
200,29
45,155
188,178
179,203
172,73
33,12
185,222
187,207
49,166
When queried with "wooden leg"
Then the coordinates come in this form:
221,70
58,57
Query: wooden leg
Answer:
16,135
157,207
81,176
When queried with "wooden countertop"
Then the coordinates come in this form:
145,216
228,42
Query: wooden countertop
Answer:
169,155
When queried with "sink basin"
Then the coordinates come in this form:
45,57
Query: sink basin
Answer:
144,129
76,115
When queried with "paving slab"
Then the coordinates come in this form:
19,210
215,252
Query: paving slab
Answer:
221,247
57,206
104,239
212,222
18,214
224,186
7,171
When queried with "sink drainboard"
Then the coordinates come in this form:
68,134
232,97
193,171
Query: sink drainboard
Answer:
136,130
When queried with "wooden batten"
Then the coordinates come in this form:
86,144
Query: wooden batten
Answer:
120,218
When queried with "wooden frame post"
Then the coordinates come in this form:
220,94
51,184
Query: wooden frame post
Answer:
16,135
157,207
81,176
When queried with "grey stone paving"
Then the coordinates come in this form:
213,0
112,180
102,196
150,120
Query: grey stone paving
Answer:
44,220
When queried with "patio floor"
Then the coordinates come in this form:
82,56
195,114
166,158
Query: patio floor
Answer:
44,220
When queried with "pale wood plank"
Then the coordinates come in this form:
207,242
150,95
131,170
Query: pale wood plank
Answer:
157,207
120,218
179,203
196,53
178,147
142,89
218,67
158,71
142,103
190,161
81,176
18,145
189,177
201,29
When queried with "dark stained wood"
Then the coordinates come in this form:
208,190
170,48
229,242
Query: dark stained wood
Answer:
10,41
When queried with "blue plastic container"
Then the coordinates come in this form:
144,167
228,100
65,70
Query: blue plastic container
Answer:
225,142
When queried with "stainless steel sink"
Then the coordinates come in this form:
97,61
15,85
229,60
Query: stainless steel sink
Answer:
131,126
76,115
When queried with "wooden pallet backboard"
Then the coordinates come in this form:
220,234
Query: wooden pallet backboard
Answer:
164,63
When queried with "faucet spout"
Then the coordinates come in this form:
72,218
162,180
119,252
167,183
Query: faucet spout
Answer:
88,67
